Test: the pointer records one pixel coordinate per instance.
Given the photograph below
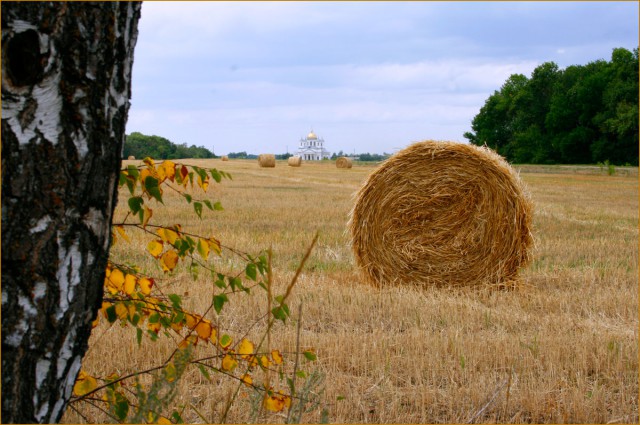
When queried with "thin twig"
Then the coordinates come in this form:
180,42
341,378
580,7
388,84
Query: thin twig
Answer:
295,365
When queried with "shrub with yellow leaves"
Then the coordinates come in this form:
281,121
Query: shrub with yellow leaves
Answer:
135,300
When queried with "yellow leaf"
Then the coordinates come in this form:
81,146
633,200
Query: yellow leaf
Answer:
167,235
148,212
167,170
85,383
121,311
215,246
276,356
96,322
117,279
247,379
229,363
122,233
177,326
191,339
274,403
264,361
252,362
169,260
225,341
192,320
155,247
145,285
148,161
245,348
129,284
164,421
105,306
154,327
204,329
204,184
203,248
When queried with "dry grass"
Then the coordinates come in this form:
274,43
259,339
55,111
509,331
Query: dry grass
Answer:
224,158
443,214
562,348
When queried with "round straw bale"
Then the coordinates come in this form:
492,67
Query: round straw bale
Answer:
442,214
225,158
267,160
131,157
344,162
294,161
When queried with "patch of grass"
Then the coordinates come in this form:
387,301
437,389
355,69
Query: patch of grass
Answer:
561,348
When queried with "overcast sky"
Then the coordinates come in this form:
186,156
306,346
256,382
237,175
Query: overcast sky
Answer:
365,76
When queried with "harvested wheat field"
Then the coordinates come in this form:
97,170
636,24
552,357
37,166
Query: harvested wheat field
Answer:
560,347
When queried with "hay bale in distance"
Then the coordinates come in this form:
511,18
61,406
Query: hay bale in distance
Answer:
442,214
225,158
344,162
131,158
294,161
267,160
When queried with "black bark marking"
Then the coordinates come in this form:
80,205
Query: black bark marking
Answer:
23,58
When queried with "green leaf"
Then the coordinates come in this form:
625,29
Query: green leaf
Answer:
208,204
279,313
151,184
135,204
133,171
225,340
187,196
216,175
139,336
197,206
176,301
121,407
250,270
220,283
204,372
235,283
154,318
111,313
177,419
301,374
218,206
135,319
310,355
218,302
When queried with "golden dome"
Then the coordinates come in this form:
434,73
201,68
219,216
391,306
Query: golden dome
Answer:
312,136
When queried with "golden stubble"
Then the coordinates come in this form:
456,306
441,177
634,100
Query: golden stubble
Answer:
563,347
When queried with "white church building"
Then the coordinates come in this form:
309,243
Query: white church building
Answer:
311,148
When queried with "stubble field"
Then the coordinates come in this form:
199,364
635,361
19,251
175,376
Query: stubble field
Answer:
562,347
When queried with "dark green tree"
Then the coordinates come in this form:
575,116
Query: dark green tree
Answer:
582,114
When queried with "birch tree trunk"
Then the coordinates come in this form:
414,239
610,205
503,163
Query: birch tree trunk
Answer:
66,75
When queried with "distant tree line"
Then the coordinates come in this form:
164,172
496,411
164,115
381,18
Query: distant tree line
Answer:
361,157
582,114
141,146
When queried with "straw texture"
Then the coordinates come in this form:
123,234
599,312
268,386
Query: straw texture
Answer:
442,214
225,158
344,162
267,160
294,161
